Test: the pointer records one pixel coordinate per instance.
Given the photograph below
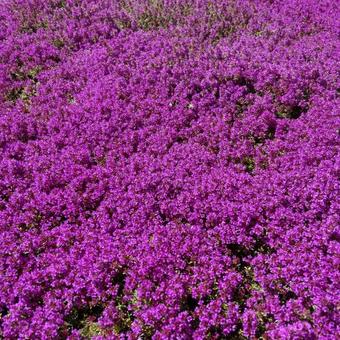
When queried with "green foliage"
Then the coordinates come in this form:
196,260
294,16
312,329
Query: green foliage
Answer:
249,164
90,330
84,319
289,112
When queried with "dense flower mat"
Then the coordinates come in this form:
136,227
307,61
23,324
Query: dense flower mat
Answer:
169,169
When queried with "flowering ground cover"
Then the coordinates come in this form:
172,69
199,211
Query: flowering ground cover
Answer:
169,169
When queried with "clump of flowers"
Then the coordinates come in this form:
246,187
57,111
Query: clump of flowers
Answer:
169,169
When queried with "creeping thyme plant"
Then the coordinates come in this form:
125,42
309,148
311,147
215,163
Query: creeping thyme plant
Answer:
169,169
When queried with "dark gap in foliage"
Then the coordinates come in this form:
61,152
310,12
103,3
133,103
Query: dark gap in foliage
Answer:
119,279
269,135
214,149
33,27
241,106
236,334
196,90
58,43
177,140
222,32
171,89
244,290
215,332
263,320
18,75
286,296
243,81
163,217
261,247
14,94
126,315
35,222
212,296
4,196
283,291
36,300
58,4
173,192
290,112
242,294
58,220
334,237
91,205
217,93
181,219
147,332
149,21
55,58
4,310
189,303
295,112
237,250
249,164
180,140
78,316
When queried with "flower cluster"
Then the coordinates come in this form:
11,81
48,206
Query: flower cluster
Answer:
169,169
